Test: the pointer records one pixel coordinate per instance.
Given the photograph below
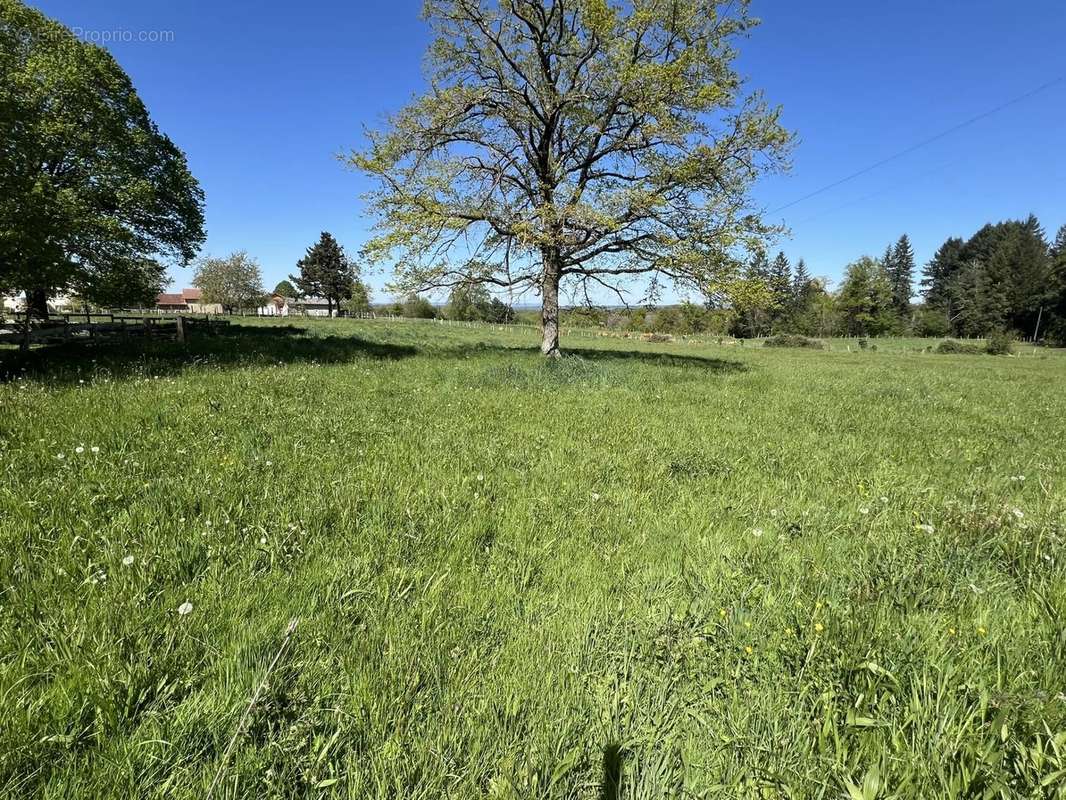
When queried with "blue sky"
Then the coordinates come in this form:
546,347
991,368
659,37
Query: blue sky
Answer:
263,95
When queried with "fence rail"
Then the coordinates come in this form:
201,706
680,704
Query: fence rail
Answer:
60,328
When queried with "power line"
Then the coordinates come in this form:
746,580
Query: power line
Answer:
923,143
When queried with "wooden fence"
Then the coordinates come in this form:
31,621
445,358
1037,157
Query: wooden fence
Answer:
97,328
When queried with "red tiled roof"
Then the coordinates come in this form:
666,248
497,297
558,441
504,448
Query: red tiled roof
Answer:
170,300
192,295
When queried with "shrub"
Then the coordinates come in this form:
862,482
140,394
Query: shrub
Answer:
793,340
952,347
657,337
999,344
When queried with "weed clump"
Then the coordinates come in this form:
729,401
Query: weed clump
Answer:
999,344
793,340
951,347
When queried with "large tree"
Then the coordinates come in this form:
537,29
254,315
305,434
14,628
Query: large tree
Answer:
93,197
901,275
865,299
939,272
574,143
327,271
234,282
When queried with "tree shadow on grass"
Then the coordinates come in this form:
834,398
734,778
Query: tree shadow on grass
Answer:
232,346
611,784
595,354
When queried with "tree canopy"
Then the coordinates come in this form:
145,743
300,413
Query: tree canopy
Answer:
326,271
93,197
234,282
574,143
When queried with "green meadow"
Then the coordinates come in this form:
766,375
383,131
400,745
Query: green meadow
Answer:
684,569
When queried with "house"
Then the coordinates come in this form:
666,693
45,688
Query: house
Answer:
17,303
276,306
188,301
312,306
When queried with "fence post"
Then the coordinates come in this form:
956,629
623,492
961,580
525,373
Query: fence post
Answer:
181,329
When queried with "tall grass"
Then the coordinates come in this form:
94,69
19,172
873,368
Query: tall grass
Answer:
645,571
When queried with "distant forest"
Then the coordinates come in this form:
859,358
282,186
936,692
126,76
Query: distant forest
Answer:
1006,278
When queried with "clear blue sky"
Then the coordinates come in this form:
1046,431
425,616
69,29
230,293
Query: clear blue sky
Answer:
263,95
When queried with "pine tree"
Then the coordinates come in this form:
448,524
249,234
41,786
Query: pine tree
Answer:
937,275
801,282
780,284
325,270
901,275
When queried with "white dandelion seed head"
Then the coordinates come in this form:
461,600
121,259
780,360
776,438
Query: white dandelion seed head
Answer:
127,561
262,540
95,449
757,532
480,477
79,449
595,496
1017,512
926,527
185,608
864,510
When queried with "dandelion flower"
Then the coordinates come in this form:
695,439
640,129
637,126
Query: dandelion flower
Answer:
127,561
982,630
747,623
951,631
721,613
748,650
185,608
819,627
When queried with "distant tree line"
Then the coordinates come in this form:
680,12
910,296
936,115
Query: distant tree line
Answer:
1007,278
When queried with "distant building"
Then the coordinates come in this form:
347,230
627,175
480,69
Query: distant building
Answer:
17,302
188,301
312,306
276,306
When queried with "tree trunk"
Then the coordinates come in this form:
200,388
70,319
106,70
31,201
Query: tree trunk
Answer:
549,313
36,304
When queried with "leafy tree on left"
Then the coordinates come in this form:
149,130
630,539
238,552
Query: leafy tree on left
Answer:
94,199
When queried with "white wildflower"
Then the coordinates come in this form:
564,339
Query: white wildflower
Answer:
757,532
185,608
1017,512
926,527
864,510
127,561
95,449
79,449
262,540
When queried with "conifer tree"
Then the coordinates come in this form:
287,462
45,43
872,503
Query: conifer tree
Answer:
937,275
901,275
326,271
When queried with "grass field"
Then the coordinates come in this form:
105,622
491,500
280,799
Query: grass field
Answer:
677,570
